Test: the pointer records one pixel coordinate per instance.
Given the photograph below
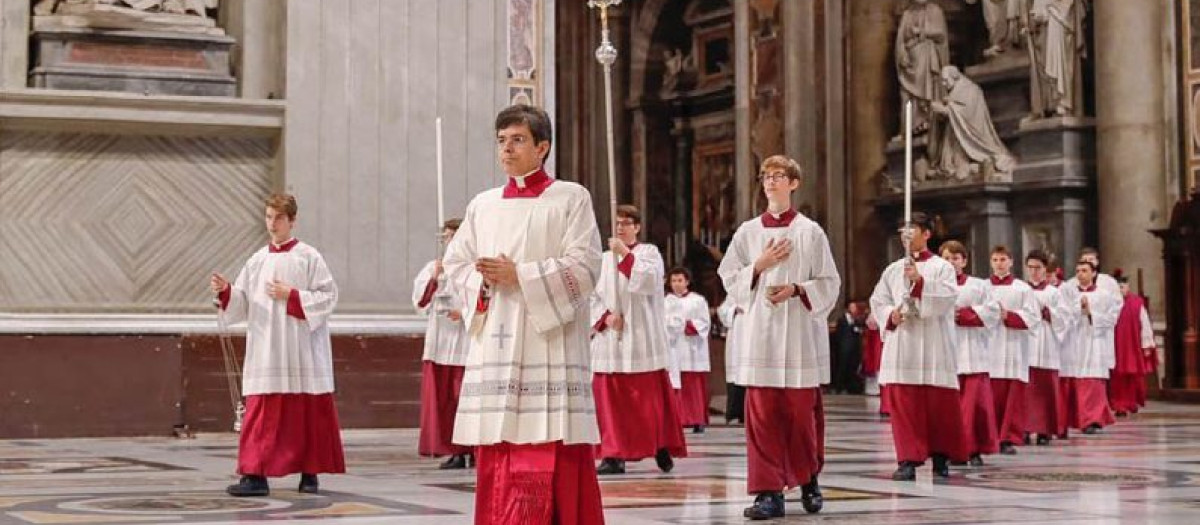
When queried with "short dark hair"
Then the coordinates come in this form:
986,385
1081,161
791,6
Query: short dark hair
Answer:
1038,255
452,224
631,212
920,220
1001,249
1089,264
535,118
680,270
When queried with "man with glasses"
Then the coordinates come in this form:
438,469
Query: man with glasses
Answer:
779,267
636,405
1043,398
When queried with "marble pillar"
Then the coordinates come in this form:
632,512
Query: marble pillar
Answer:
1131,139
869,120
744,156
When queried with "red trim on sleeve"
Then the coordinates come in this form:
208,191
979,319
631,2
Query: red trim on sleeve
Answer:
602,324
294,308
890,325
918,288
804,297
482,302
1014,321
224,296
626,265
690,329
427,295
966,316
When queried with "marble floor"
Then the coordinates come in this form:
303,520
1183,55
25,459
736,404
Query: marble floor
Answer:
1146,469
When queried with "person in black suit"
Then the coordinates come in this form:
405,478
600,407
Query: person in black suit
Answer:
847,351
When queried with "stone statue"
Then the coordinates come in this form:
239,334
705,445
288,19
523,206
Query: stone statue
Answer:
1003,22
1054,30
921,52
179,7
968,145
675,66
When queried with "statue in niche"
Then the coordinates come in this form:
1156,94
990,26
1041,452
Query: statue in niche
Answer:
921,52
676,65
1054,30
968,145
132,13
1003,23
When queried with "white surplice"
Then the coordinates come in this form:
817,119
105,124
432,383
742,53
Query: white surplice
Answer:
641,346
1011,347
528,372
731,318
973,356
920,351
1048,337
784,345
1089,349
285,355
690,351
444,341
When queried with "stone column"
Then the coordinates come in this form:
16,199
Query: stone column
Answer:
800,94
872,106
14,43
744,172
1130,141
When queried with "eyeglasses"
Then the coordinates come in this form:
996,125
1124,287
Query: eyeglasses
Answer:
625,223
773,177
517,141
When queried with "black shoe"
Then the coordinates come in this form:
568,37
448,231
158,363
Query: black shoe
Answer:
309,484
611,466
1007,448
811,498
940,468
664,461
1028,440
1092,429
698,429
456,461
1122,414
906,472
976,461
1043,440
249,486
766,506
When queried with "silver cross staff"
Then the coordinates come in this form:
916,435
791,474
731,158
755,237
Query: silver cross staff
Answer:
606,55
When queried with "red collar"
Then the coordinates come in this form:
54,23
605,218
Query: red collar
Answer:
1003,281
527,186
962,279
1041,286
925,255
784,220
283,248
1091,288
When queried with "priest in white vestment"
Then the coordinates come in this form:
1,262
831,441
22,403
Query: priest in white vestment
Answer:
442,363
976,319
285,294
688,323
1088,352
1043,397
632,366
1010,347
780,267
730,315
920,365
525,262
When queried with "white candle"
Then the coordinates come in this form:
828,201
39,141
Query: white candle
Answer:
441,201
907,162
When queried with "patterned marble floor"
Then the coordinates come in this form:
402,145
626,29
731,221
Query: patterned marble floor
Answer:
1146,469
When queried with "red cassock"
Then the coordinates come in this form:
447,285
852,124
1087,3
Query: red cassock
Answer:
1127,387
926,420
693,398
785,437
440,386
638,414
537,484
1043,402
978,413
284,434
872,352
1009,397
1084,403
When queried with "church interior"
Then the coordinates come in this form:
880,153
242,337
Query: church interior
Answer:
138,139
